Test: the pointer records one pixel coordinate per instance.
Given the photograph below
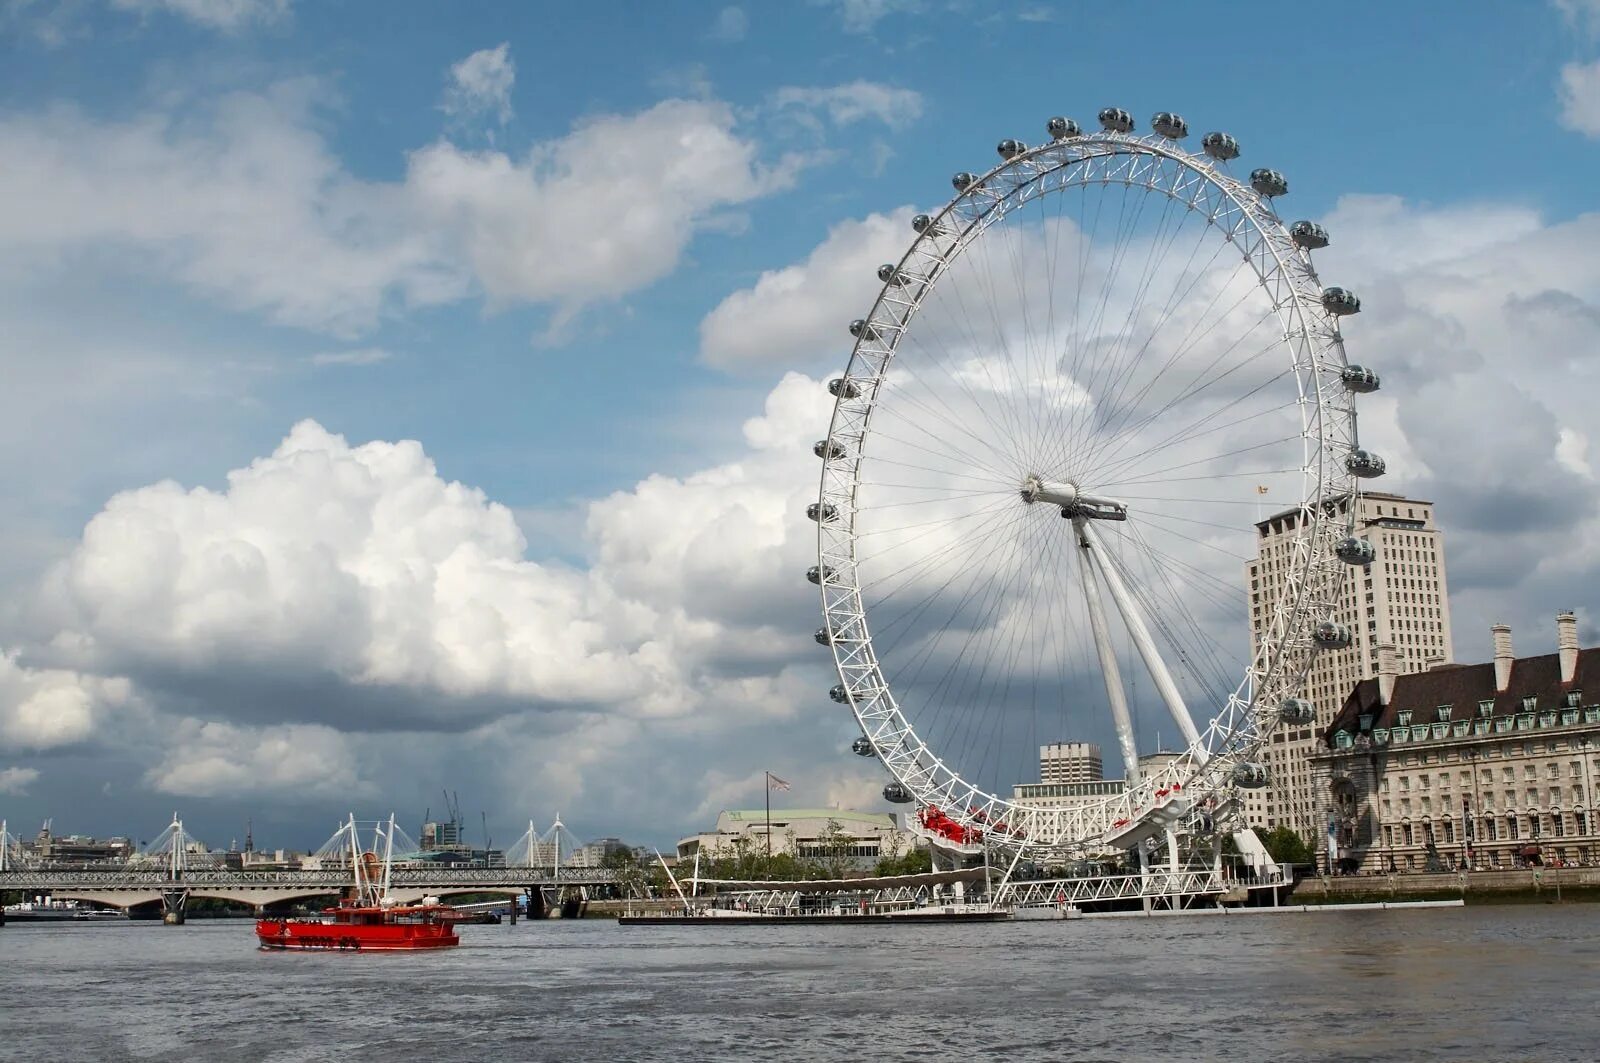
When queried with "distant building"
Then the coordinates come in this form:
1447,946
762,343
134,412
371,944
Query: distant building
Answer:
1492,765
872,835
1071,794
1070,762
48,848
1400,599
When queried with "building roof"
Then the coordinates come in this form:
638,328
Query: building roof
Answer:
1336,502
1463,686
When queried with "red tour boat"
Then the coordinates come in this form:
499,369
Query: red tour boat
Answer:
367,918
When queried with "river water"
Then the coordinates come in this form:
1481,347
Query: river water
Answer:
1482,983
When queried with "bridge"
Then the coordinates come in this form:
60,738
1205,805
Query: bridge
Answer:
174,868
127,887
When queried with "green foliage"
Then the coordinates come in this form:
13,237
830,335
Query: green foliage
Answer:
1287,846
916,862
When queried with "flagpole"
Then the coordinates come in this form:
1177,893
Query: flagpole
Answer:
769,822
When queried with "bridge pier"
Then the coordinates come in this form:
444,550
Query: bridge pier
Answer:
536,905
172,905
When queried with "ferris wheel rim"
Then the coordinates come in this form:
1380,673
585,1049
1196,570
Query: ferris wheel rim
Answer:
1234,730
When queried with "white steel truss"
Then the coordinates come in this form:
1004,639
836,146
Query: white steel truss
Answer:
1311,340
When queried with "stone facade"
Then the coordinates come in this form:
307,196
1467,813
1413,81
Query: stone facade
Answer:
1491,765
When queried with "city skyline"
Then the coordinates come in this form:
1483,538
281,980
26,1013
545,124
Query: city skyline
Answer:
483,460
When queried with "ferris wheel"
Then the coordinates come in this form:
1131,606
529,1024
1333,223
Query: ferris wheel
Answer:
1089,377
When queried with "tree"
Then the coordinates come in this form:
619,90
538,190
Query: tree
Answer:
919,860
1286,846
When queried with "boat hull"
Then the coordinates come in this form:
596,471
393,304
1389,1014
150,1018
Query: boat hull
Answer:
296,935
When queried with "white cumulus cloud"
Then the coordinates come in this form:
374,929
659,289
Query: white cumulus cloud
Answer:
730,26
855,102
210,759
242,201
1580,97
227,15
362,565
862,16
41,708
14,782
480,85
605,210
800,312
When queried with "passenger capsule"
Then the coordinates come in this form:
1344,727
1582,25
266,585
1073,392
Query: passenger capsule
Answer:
1309,235
840,694
1063,128
1353,551
822,512
1250,775
1220,146
1365,464
862,329
891,275
1172,126
862,747
1359,378
1340,302
815,573
1116,120
822,637
896,794
963,181
1296,710
927,226
1328,635
1268,182
1010,149
843,388
828,449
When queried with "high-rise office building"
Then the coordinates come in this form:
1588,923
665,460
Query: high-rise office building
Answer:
1400,598
1070,762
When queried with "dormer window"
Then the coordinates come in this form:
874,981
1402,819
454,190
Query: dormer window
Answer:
1530,702
1443,713
1404,718
1572,699
1486,708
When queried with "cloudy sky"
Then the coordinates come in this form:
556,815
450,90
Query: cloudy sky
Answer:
406,397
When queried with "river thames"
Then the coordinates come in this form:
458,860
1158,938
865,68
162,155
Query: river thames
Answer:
1483,983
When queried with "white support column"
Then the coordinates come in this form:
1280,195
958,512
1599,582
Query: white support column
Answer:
1142,640
1108,658
388,858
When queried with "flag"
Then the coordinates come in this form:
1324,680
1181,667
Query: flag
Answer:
775,783
1261,489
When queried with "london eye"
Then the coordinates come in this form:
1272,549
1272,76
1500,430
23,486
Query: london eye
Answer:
1059,419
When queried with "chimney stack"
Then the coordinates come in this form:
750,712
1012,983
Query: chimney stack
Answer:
1567,644
1388,669
1502,657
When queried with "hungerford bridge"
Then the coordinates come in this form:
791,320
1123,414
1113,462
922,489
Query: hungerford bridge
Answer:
547,867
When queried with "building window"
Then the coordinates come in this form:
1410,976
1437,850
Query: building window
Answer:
1404,718
1486,708
1443,712
1530,702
